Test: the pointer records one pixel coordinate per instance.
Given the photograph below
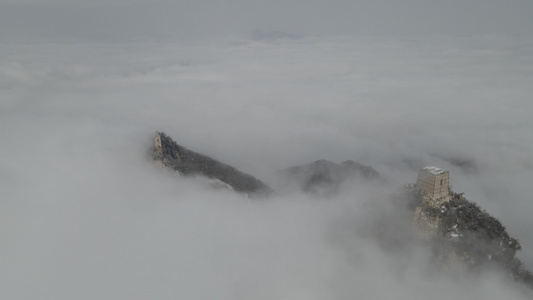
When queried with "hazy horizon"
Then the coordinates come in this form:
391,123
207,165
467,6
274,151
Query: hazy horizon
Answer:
186,20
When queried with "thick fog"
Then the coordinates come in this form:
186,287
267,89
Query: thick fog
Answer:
85,214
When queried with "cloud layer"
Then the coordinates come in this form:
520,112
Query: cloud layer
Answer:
85,215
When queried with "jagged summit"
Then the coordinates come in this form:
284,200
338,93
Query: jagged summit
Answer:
172,155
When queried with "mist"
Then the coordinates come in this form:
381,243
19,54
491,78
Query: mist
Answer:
86,214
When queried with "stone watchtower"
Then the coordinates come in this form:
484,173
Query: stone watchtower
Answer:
158,145
435,183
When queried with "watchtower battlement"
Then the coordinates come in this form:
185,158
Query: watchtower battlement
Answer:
435,183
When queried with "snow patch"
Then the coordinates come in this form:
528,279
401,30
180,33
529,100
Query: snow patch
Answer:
434,170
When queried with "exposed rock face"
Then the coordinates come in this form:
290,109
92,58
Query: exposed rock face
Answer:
169,154
324,177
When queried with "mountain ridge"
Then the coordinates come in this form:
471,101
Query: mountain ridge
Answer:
458,229
323,177
187,162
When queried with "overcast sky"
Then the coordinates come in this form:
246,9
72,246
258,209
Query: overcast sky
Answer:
84,214
134,19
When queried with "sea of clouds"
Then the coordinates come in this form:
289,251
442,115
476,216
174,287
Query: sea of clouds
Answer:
84,214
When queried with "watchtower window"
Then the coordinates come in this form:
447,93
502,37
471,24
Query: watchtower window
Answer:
441,182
